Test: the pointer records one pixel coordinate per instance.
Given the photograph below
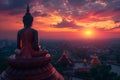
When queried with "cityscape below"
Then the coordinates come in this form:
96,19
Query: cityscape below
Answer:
72,58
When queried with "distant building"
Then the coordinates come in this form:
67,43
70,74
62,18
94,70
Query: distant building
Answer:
65,60
95,60
82,67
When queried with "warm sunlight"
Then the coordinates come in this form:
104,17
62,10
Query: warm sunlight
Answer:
88,33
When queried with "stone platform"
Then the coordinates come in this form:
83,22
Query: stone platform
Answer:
36,68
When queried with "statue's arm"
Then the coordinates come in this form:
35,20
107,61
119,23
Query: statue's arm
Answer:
35,41
18,40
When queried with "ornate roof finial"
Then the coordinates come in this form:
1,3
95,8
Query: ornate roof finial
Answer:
28,9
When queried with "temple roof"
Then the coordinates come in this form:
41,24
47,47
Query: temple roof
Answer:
64,59
95,60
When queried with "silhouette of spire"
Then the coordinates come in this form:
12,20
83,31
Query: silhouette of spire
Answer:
28,9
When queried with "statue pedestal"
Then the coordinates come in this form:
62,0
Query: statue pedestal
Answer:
36,68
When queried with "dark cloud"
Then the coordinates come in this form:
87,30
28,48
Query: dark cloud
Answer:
99,8
117,27
116,18
53,4
77,3
107,1
117,9
36,14
64,7
16,11
13,7
112,6
80,3
66,24
13,4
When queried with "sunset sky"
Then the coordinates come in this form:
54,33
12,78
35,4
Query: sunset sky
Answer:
62,19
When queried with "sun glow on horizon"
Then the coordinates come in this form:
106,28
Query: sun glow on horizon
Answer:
88,33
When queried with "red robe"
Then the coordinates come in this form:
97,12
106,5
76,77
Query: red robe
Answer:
27,41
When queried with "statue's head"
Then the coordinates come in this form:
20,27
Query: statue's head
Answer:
27,18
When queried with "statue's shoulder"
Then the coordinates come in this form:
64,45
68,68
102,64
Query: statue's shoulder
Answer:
20,31
34,30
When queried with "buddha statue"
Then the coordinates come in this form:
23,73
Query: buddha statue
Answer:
27,39
29,62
